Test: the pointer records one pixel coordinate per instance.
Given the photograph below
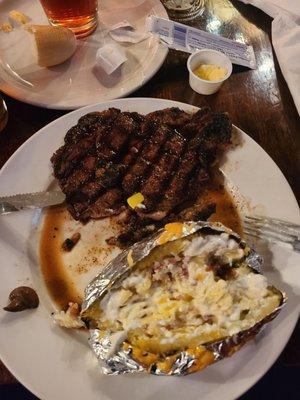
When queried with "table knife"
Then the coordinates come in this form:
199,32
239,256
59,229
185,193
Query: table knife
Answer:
29,201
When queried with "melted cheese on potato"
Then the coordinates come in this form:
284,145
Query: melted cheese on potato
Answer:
181,298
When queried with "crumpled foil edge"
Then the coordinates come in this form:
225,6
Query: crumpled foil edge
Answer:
121,361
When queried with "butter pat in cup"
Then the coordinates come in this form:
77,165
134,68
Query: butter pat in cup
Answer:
206,65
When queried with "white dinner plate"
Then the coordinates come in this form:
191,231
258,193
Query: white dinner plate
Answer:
57,364
78,82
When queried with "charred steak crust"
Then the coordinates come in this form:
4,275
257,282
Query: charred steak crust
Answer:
166,155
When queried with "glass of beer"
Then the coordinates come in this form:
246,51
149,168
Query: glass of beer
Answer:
78,15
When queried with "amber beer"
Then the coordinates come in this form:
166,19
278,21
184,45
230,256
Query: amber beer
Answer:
78,15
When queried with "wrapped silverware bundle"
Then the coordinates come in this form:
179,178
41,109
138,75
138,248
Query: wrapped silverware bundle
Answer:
173,304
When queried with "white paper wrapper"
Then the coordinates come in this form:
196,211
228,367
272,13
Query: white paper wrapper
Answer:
110,57
125,32
189,39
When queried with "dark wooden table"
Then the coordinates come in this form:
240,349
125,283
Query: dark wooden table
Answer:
258,101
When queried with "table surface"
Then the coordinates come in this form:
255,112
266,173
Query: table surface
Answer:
258,101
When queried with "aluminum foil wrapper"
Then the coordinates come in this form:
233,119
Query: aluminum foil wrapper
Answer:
117,359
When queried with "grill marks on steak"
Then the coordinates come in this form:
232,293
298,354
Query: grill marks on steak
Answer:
84,175
166,155
108,177
153,187
190,162
80,139
64,161
149,154
106,205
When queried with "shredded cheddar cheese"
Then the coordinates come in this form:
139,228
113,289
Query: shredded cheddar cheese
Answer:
172,230
179,301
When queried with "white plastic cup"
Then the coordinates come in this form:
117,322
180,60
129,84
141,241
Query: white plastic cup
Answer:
207,56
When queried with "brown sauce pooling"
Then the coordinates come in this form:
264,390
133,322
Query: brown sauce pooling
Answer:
226,211
63,290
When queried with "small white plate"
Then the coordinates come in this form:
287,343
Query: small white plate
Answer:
77,82
58,364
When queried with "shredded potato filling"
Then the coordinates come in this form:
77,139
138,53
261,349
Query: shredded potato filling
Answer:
198,291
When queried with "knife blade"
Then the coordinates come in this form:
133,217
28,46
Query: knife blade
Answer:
29,201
